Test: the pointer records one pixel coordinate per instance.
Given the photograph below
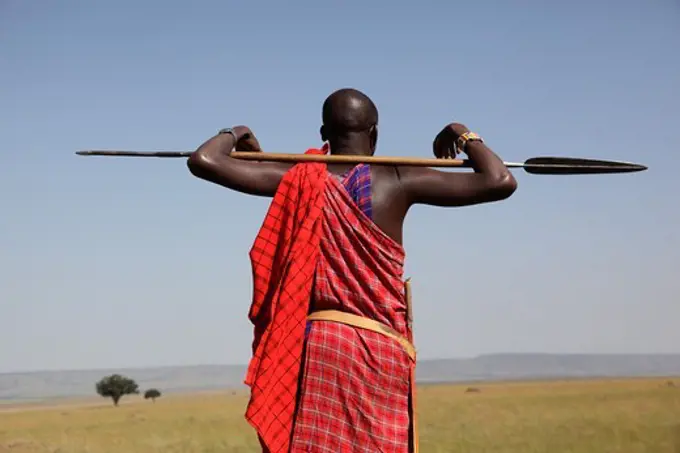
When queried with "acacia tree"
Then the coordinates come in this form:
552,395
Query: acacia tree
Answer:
116,386
152,394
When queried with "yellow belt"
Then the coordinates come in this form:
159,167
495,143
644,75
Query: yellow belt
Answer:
364,323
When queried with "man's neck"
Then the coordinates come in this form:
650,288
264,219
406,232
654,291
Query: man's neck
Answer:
350,149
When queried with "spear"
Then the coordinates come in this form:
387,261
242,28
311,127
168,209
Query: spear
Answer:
535,165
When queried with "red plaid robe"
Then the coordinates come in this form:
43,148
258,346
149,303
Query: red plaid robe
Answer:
353,393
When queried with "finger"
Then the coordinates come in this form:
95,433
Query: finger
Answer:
253,144
438,147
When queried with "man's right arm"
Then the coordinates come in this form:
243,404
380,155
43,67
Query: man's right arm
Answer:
491,180
212,162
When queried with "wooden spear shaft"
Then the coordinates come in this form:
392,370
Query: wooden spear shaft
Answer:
355,159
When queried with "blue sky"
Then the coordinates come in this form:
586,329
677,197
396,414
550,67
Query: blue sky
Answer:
133,262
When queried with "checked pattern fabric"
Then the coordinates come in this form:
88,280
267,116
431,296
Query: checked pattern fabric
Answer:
283,260
332,387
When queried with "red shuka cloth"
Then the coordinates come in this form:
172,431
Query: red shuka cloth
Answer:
283,260
355,385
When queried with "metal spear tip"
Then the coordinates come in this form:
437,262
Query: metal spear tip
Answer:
632,166
628,167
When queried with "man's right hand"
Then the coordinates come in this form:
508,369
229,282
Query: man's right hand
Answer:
444,143
246,140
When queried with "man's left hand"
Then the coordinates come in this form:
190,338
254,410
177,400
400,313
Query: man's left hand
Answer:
246,140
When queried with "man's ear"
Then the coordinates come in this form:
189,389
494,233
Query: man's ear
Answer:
374,136
322,131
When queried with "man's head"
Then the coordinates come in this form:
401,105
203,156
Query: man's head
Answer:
350,122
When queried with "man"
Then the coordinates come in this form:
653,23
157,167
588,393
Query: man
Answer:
333,363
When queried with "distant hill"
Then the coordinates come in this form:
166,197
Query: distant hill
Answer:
548,366
68,384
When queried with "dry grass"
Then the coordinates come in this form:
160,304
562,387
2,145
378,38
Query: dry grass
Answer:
622,416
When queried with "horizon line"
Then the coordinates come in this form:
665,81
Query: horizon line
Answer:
431,359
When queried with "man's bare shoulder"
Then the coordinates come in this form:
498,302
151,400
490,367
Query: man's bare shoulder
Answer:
385,175
398,179
387,188
408,175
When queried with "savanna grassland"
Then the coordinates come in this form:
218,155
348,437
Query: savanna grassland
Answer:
603,416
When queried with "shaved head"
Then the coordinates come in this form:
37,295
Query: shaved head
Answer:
350,115
349,110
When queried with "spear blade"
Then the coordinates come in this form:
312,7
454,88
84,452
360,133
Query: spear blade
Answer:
577,166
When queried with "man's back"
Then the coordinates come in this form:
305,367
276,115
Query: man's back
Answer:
388,201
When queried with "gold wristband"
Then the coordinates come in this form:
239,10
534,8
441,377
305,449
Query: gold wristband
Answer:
465,138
